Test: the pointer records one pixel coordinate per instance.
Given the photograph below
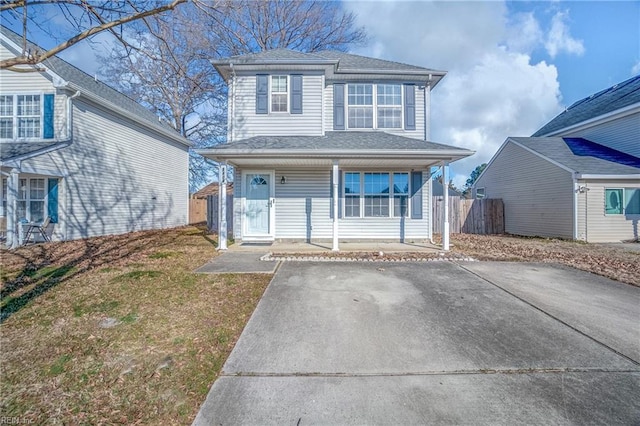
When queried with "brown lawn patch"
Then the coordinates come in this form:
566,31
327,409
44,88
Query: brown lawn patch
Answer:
117,330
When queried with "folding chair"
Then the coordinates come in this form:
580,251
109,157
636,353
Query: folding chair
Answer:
42,228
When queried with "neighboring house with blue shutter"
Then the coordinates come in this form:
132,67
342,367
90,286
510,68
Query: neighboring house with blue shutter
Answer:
329,146
78,151
578,177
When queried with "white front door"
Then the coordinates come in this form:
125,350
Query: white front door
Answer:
258,211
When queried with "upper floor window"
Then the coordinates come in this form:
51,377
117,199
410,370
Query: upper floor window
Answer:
380,104
279,93
26,116
360,101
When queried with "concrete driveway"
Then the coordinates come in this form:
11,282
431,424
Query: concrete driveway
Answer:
434,343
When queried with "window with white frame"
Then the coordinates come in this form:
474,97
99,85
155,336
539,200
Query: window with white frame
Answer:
618,201
31,199
360,104
279,93
379,104
389,106
20,116
479,193
6,117
376,194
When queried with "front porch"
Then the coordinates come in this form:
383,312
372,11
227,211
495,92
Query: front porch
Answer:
346,246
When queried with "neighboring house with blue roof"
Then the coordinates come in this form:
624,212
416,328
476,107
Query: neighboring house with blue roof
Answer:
83,154
578,177
329,146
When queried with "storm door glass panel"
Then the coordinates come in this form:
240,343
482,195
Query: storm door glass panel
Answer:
376,194
400,194
29,116
632,201
613,201
257,204
36,199
22,199
352,194
6,117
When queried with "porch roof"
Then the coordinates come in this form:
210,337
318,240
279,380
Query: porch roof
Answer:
349,148
14,151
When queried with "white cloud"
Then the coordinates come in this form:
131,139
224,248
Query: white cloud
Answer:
84,55
635,70
492,90
560,40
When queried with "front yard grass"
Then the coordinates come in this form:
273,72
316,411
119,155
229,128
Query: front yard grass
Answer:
117,330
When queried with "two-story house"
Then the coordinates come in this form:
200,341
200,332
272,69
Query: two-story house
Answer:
329,146
83,154
578,177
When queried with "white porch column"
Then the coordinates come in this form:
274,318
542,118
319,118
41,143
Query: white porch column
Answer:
445,210
336,180
222,206
13,183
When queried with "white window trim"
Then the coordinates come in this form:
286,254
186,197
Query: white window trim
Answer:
623,201
15,116
287,93
27,199
390,195
375,108
481,196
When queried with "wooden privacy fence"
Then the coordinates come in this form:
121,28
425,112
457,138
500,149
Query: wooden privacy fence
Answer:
483,216
197,210
212,213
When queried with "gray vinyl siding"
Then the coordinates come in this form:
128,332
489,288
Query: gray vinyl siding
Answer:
418,133
248,124
537,195
303,211
622,134
117,176
595,224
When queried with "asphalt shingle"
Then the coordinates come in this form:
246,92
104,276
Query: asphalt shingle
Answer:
583,156
335,141
616,97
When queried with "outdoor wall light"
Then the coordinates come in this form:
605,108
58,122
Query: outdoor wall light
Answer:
283,180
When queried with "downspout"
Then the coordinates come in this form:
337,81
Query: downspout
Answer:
576,191
67,195
427,134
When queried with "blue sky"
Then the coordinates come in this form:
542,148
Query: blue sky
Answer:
512,66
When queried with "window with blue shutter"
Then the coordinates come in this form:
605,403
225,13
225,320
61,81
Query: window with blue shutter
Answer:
262,94
52,200
416,195
296,94
409,107
338,106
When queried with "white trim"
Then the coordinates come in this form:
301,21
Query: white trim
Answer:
576,191
272,203
608,177
287,94
374,106
595,121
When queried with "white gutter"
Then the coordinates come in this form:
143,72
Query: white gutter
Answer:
608,177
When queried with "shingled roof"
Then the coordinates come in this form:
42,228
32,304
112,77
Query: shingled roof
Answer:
606,101
91,85
583,156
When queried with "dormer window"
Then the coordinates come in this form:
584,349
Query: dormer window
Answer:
279,93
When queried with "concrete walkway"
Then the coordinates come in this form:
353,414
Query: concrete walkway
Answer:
437,343
302,247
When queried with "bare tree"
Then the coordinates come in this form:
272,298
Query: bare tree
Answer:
245,26
165,65
85,18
